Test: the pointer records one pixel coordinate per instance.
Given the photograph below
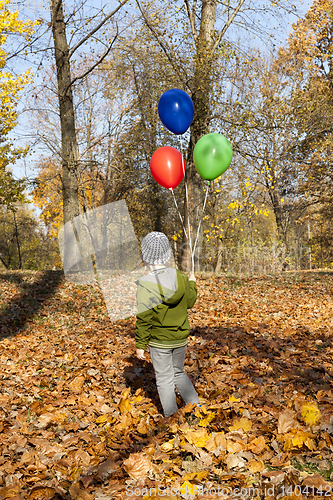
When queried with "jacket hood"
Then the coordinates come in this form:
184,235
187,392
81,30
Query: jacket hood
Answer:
164,294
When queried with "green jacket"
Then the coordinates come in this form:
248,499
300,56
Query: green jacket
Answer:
162,314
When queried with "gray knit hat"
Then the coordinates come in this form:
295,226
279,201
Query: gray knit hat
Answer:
155,248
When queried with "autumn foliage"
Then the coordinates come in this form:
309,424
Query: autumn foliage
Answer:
80,415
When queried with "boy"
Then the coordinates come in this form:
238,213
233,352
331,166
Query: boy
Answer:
163,296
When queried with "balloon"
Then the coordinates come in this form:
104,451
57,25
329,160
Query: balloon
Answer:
167,166
212,156
176,110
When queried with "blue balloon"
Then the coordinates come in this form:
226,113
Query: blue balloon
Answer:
176,110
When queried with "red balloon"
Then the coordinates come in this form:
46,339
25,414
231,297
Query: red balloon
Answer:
167,167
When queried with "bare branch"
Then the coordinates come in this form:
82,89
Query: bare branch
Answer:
227,24
96,29
97,63
158,38
191,19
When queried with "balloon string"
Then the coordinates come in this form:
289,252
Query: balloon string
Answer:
203,209
181,218
187,204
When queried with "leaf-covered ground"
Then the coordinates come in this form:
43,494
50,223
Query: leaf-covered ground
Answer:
80,416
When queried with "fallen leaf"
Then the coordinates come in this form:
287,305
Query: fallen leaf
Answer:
204,422
286,421
137,465
310,413
244,423
235,446
77,383
317,482
43,491
298,439
216,440
257,445
198,438
168,445
256,466
78,494
235,461
275,476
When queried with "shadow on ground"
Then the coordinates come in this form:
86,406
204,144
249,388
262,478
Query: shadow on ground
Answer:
25,304
230,360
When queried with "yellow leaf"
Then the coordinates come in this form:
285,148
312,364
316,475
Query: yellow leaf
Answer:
297,439
206,420
198,438
137,399
244,423
125,406
188,488
126,393
257,445
142,427
174,428
232,399
310,413
168,446
101,419
75,473
256,466
202,474
235,446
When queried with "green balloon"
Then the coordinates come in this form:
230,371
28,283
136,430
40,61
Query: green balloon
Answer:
212,156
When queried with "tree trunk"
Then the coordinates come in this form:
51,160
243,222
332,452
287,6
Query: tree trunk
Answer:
201,93
71,204
219,259
282,231
17,242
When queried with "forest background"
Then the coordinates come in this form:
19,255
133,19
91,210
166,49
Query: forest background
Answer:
88,114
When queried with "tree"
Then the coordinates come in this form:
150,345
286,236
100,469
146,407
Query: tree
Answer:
24,243
264,136
101,116
308,56
11,190
195,54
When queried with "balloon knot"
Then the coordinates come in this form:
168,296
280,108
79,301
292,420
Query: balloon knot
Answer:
171,189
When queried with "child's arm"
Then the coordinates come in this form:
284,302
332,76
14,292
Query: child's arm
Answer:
143,323
142,329
192,292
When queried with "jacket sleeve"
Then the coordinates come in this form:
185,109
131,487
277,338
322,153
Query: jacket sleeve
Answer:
192,293
143,319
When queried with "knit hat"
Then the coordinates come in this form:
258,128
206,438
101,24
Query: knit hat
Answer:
155,248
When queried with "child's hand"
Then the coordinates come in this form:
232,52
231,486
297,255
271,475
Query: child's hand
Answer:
140,354
192,277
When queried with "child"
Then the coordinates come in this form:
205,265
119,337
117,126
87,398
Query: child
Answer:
163,296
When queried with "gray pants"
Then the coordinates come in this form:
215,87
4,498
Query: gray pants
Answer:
169,372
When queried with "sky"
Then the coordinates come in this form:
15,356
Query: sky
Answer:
39,8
